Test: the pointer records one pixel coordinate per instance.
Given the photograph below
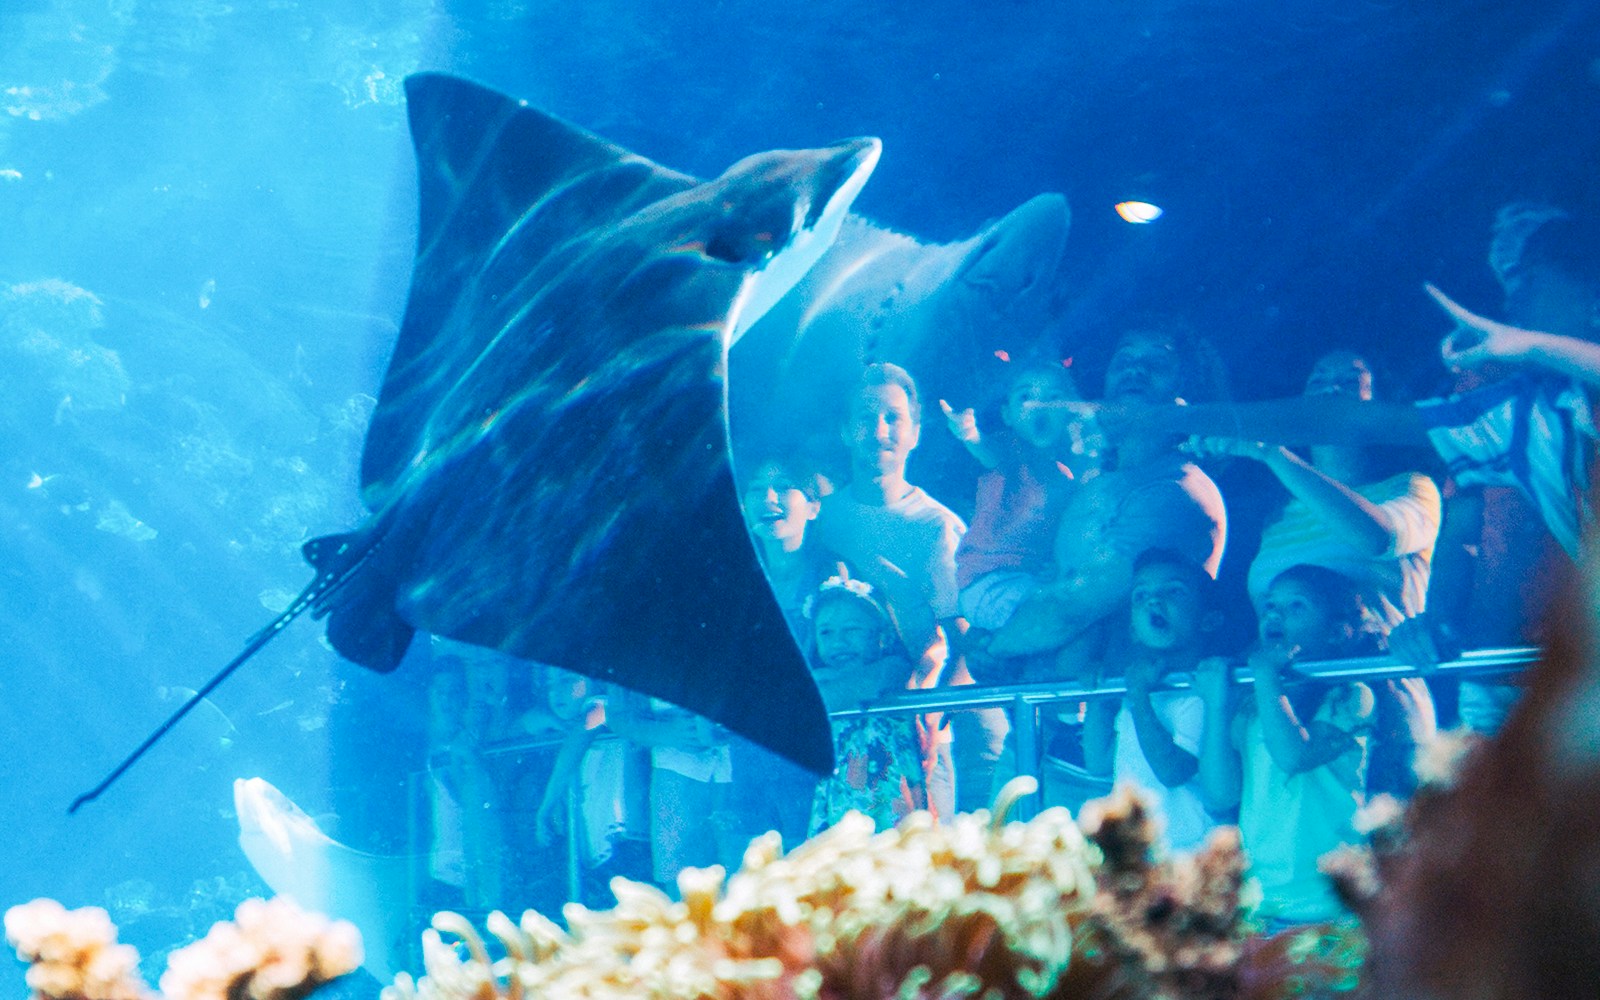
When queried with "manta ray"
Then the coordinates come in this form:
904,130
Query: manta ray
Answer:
940,310
548,462
296,858
547,468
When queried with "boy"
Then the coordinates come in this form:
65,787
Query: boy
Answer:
1151,737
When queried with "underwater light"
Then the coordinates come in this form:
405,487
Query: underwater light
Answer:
1138,212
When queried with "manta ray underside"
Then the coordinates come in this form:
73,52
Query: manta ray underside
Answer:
548,464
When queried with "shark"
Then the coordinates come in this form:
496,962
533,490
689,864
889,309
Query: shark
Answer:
547,466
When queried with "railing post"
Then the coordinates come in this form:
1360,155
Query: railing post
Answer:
1025,733
575,829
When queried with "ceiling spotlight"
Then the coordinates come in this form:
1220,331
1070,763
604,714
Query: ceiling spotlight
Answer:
1138,212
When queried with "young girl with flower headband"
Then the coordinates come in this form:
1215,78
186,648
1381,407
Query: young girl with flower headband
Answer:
856,659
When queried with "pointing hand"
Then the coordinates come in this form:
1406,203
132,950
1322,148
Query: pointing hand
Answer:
1478,340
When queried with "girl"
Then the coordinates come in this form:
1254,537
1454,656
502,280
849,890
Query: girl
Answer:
1380,531
1292,761
856,658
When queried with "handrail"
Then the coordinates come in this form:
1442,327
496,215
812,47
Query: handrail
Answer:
944,699
1024,700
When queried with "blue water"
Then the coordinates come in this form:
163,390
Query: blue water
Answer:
208,220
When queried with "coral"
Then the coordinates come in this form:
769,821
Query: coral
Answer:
920,911
975,908
272,950
1459,896
1496,892
1176,925
73,954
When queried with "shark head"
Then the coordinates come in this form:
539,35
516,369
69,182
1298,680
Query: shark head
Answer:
783,208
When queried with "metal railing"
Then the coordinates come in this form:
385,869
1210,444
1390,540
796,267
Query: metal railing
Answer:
1024,701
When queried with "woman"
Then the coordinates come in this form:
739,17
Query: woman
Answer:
1377,530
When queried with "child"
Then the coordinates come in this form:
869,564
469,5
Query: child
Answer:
1292,760
878,759
691,774
600,783
1007,546
769,792
1151,738
779,503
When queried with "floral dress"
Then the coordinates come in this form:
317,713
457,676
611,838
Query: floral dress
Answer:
878,771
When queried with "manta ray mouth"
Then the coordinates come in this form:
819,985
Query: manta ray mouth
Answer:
734,246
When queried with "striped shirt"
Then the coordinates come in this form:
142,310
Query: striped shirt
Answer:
1536,434
1394,584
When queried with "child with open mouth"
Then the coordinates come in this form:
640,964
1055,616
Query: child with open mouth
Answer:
1291,755
1151,737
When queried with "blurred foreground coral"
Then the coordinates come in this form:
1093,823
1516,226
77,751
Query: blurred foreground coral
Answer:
1488,886
978,907
272,950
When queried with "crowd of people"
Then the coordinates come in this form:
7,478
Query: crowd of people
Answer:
1097,549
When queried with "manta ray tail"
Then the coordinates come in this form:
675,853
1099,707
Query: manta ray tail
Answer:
362,623
336,559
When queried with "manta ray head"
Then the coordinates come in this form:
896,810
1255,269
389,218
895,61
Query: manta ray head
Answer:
268,814
783,207
1015,259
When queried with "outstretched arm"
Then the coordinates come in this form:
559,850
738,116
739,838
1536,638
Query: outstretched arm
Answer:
1095,551
1479,341
1374,529
1293,420
1058,613
964,425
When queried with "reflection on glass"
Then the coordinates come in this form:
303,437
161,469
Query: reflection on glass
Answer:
211,223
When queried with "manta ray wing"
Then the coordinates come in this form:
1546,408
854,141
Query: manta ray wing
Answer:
548,465
297,859
940,310
488,169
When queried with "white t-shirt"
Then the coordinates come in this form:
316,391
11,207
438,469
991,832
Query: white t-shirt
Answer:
1183,714
916,533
